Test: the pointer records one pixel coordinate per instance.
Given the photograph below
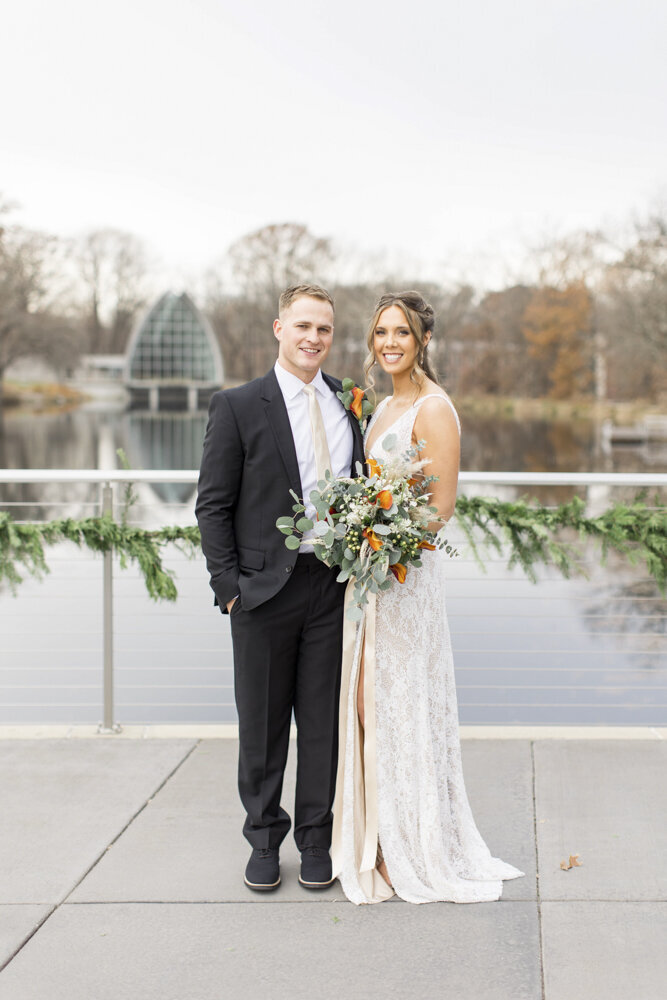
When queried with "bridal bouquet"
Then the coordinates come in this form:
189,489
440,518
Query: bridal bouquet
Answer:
372,527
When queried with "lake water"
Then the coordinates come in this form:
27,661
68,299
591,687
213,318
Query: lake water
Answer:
561,652
87,437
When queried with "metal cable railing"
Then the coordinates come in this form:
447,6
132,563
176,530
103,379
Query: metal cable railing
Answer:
85,645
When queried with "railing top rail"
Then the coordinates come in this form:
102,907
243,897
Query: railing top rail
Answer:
640,479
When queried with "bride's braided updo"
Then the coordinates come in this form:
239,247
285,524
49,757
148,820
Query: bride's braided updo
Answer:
420,319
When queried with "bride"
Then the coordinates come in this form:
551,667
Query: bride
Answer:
402,822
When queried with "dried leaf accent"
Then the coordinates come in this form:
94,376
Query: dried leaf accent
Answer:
573,862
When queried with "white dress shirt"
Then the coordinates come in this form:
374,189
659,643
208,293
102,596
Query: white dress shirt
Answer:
336,424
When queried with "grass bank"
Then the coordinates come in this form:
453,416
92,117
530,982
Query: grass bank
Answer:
40,395
506,408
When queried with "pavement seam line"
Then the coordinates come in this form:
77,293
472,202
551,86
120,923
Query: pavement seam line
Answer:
100,856
537,870
31,935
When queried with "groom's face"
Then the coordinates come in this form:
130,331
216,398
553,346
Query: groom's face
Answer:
304,331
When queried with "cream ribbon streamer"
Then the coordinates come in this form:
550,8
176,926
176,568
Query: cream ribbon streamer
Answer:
359,640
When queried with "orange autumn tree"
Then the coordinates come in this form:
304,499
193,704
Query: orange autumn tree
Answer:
558,325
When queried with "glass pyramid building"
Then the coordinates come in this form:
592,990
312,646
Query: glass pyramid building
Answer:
173,360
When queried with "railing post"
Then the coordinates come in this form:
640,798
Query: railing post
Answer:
108,725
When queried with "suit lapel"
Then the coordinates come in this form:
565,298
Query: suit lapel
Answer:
276,414
358,440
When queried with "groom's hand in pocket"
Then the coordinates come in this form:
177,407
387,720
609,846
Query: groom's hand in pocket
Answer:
230,604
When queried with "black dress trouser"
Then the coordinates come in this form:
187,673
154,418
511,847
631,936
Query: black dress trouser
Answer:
287,655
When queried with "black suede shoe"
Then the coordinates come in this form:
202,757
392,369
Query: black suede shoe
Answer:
315,868
262,872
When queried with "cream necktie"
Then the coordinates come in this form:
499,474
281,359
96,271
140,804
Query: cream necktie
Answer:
320,445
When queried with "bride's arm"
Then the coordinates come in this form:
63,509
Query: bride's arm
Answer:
436,426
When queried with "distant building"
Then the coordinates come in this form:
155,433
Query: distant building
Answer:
173,361
106,367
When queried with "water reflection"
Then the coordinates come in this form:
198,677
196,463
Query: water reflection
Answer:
632,611
164,441
87,438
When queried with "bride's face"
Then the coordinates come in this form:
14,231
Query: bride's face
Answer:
395,347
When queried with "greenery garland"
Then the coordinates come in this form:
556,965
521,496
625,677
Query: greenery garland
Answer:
634,530
23,545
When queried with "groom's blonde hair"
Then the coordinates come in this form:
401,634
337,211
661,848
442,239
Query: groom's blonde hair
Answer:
295,292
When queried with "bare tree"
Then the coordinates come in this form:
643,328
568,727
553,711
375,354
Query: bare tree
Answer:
30,322
261,265
113,267
632,311
274,257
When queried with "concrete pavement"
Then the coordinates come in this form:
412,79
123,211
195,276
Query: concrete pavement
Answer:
122,864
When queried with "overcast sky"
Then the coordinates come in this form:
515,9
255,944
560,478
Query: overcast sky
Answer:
442,132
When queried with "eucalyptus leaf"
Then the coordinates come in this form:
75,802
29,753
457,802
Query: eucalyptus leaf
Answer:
284,522
348,384
389,442
304,524
382,529
354,613
292,542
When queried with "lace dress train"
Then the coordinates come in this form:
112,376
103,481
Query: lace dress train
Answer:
400,781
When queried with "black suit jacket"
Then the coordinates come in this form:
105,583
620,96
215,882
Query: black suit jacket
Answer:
249,465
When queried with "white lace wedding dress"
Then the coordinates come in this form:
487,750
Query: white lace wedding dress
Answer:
417,808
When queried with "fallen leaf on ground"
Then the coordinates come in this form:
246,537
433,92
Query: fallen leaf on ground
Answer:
573,862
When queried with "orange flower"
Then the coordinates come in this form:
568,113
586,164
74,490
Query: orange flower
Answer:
426,545
385,499
357,400
374,468
372,539
399,571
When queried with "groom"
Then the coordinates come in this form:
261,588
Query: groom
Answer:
264,438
